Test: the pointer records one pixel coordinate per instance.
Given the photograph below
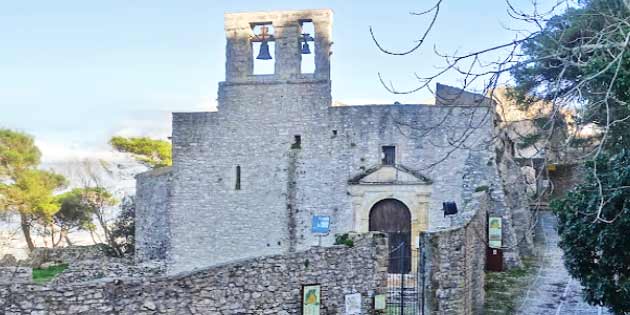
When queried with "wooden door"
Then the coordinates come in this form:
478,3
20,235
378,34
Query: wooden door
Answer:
393,217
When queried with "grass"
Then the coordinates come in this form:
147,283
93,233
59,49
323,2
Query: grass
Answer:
504,289
43,275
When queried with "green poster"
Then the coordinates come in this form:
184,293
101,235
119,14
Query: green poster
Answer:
494,232
380,302
311,299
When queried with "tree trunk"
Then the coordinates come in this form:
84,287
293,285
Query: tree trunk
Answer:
68,240
26,229
52,236
108,235
63,233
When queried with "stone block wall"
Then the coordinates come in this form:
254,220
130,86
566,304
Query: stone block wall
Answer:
12,275
65,255
455,265
152,228
264,285
92,270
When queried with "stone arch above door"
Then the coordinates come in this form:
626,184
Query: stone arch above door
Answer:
390,182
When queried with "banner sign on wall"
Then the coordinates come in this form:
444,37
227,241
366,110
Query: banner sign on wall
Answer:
311,299
494,232
353,304
380,302
320,224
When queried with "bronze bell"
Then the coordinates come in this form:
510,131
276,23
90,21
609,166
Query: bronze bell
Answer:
306,50
263,53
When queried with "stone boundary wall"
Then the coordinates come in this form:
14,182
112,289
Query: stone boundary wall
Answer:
92,270
11,275
264,285
66,255
152,199
455,264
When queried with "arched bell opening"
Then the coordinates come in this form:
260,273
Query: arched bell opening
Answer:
393,217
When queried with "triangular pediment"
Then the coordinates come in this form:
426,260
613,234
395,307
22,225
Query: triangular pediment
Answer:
389,174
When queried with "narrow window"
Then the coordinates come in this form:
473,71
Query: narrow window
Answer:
263,49
307,47
297,142
389,155
238,178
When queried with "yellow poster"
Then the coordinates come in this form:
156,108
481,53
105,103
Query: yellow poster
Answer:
311,299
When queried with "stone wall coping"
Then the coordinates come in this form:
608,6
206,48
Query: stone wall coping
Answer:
359,107
156,172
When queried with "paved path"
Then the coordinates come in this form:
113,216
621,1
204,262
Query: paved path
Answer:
553,291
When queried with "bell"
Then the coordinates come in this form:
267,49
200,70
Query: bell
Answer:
305,49
263,54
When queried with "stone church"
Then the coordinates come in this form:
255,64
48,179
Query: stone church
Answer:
248,179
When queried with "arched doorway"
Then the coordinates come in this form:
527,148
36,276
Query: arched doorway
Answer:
393,217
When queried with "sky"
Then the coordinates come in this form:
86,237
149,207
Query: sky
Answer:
75,73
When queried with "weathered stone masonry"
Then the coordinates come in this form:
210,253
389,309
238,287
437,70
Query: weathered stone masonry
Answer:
264,285
455,264
199,218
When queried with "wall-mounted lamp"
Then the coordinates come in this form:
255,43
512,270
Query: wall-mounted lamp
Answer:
449,207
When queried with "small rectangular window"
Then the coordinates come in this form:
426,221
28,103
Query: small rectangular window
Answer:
389,155
297,142
238,178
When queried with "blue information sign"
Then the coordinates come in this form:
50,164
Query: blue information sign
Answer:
320,224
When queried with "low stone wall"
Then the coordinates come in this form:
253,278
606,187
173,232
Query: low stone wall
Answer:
12,275
65,255
455,265
264,285
92,270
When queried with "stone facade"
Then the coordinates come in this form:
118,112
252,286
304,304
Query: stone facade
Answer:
152,196
455,261
247,179
264,285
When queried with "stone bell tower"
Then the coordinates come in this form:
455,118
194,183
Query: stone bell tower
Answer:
286,88
287,27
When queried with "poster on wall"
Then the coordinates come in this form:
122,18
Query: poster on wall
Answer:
320,224
311,299
494,232
380,302
353,304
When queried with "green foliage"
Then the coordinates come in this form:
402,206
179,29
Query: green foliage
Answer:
17,152
24,189
43,275
580,60
125,227
32,193
596,252
76,209
151,152
579,50
344,239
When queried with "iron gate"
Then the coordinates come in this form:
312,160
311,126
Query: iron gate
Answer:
406,280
